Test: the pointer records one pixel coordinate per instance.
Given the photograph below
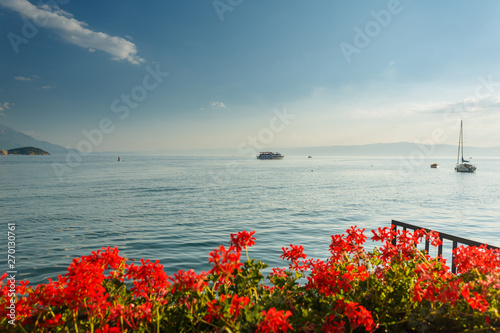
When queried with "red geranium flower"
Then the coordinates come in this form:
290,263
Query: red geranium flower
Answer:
274,321
294,253
242,240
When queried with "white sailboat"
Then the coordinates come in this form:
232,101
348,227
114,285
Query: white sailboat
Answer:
463,165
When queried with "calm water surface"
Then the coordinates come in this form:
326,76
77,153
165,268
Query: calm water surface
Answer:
177,209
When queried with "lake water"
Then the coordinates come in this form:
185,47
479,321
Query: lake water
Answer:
177,209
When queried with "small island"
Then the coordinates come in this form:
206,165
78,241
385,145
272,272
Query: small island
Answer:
24,151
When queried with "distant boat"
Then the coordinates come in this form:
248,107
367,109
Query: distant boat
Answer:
464,166
434,165
267,155
309,156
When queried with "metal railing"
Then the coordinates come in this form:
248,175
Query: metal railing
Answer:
456,240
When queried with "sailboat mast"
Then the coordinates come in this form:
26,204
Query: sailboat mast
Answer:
462,139
459,143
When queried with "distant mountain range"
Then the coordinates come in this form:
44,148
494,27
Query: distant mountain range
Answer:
400,149
10,139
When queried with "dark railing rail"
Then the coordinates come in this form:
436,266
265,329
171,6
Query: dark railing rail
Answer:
456,240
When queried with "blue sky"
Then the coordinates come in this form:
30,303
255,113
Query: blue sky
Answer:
276,73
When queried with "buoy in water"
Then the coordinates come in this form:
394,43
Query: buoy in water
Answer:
118,158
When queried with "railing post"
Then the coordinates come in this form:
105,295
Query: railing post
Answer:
453,267
394,238
442,236
440,247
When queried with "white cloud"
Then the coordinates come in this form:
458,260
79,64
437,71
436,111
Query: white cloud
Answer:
377,113
218,105
31,133
478,106
22,78
4,106
74,31
390,72
26,78
319,91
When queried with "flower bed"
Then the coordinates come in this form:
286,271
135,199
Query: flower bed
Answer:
392,288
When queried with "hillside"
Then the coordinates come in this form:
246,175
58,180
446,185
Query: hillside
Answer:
10,139
27,151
